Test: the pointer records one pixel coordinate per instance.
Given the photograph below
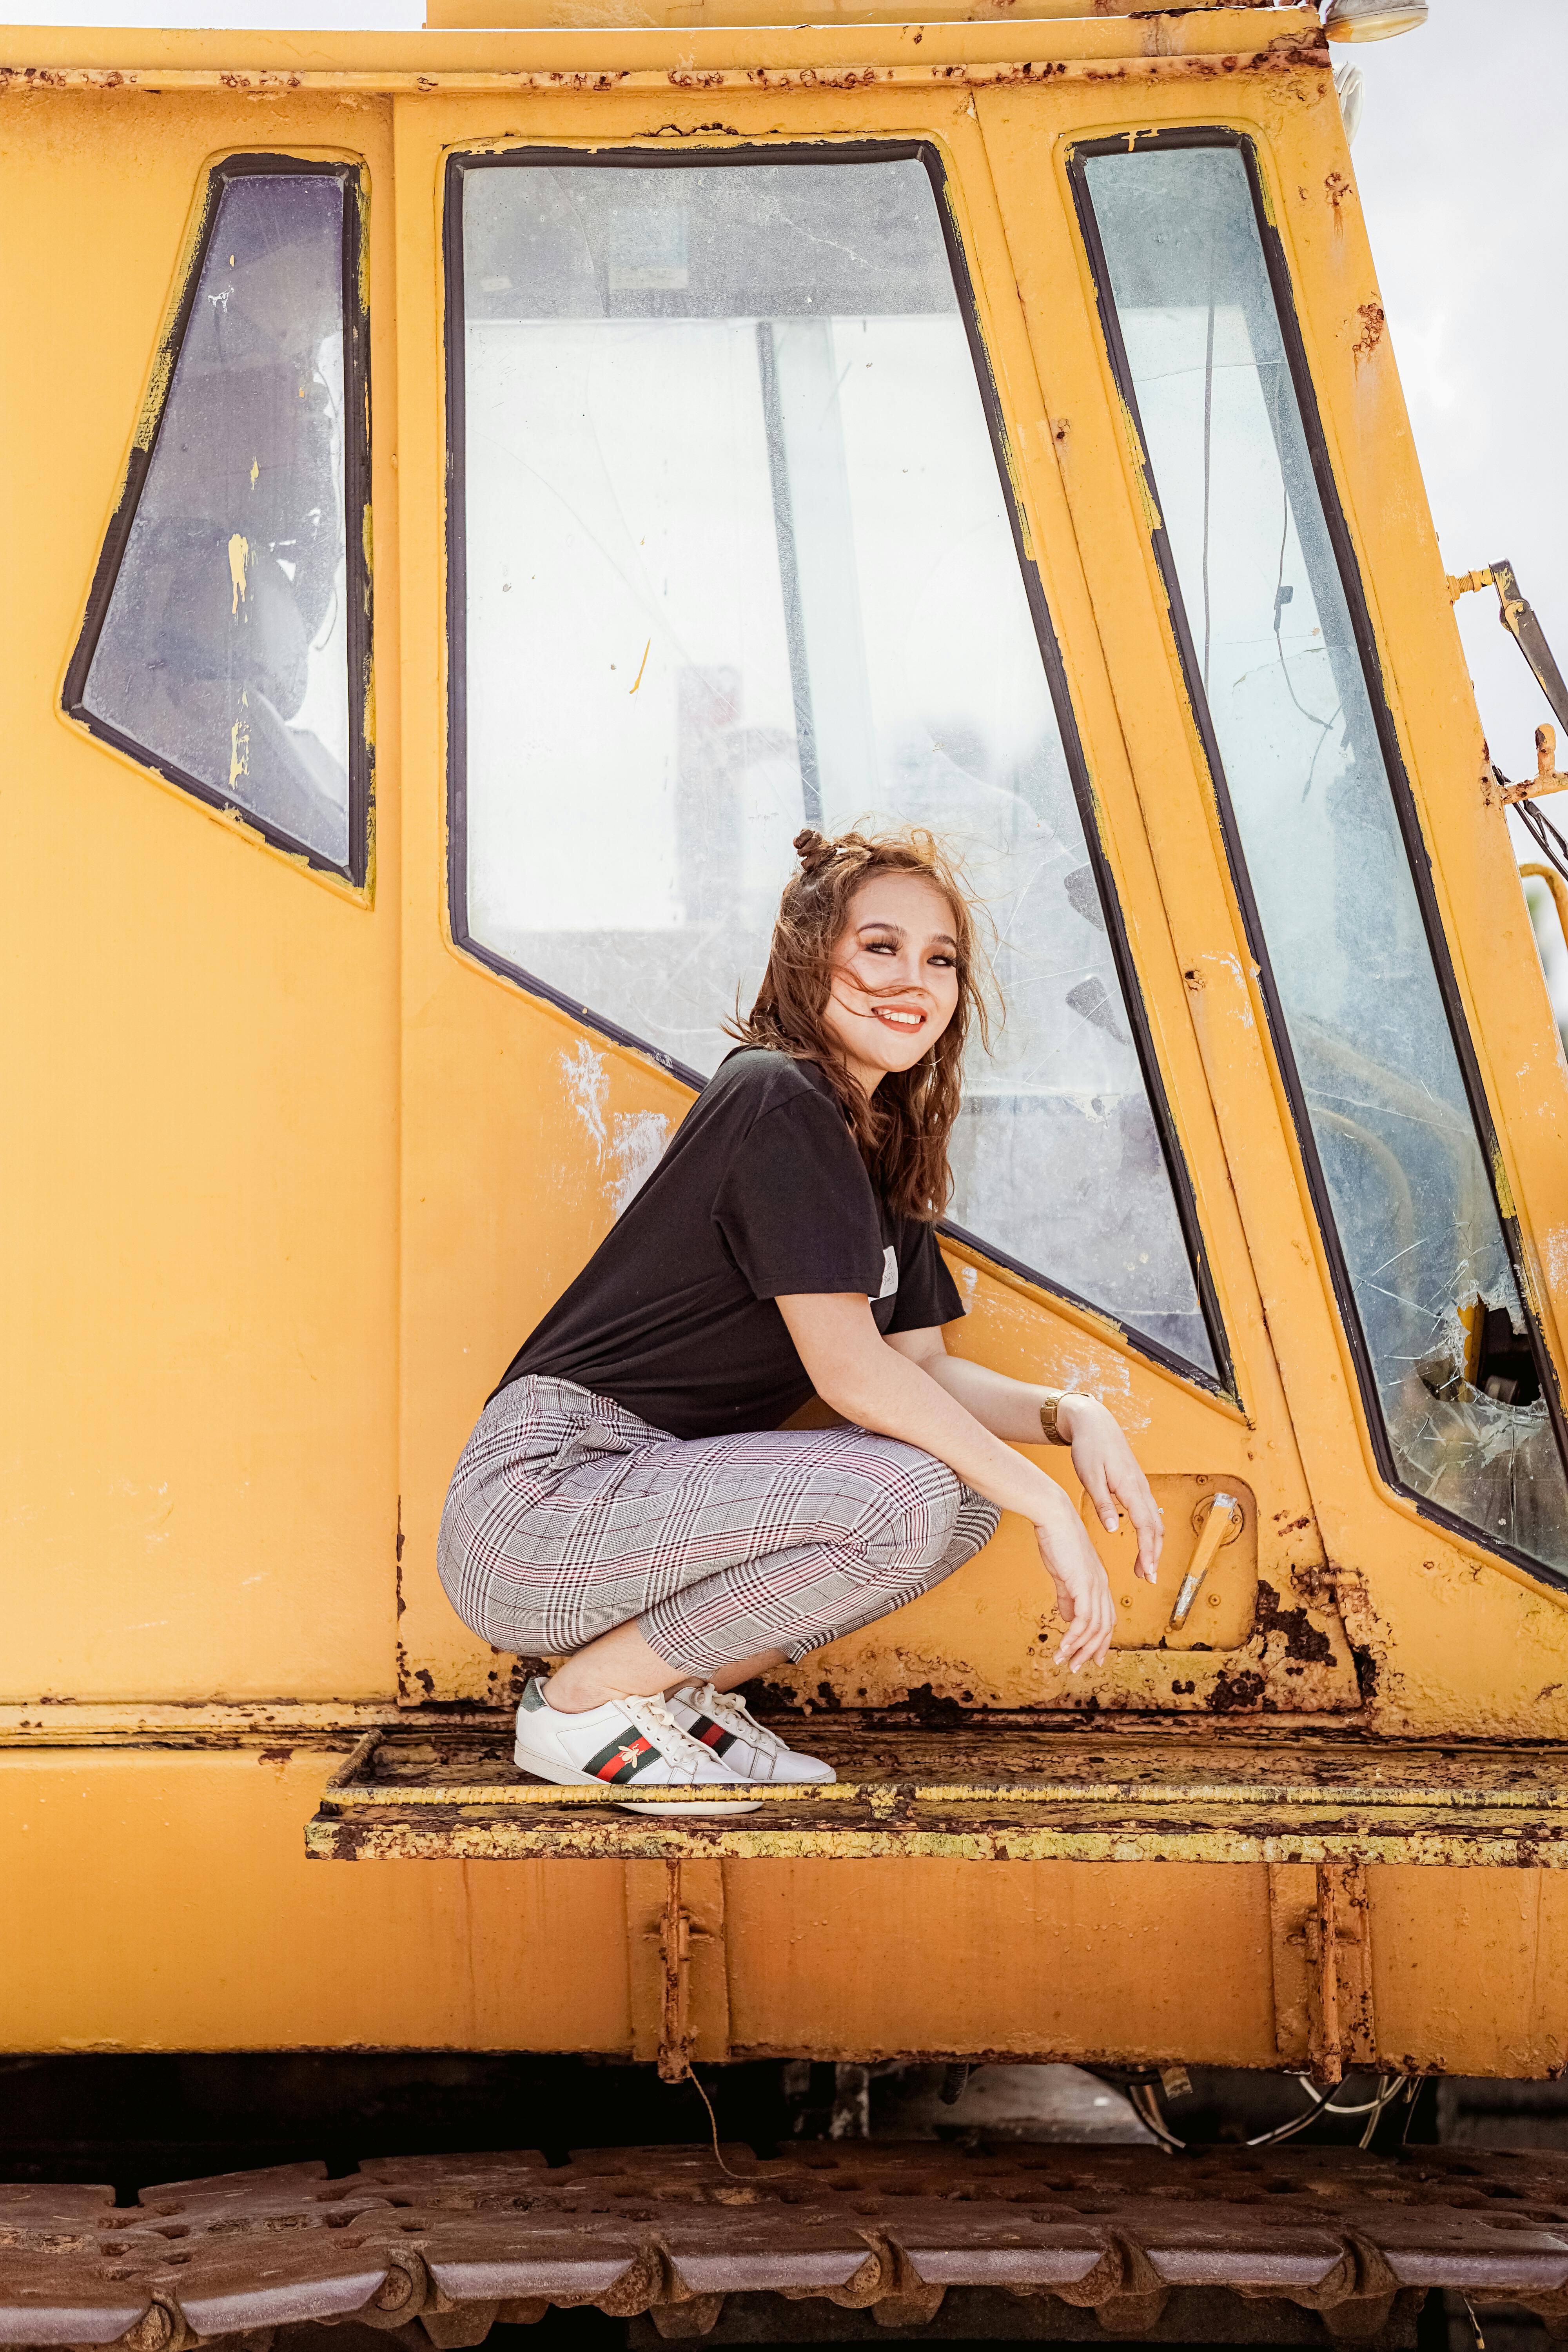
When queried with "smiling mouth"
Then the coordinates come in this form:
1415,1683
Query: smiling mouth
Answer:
897,1018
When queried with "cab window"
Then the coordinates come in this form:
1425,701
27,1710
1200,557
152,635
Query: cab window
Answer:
227,636
1274,636
732,552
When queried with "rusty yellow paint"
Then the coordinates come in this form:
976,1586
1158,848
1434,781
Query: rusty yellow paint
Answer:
1025,1794
349,1170
952,1833
590,60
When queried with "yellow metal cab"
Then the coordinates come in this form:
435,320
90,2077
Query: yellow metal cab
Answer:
474,493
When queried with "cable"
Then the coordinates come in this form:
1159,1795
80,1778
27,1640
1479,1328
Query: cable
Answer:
1545,836
1412,2092
1144,2099
691,2077
1385,2100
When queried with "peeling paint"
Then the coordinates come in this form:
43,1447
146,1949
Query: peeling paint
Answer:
588,1090
1555,1251
628,1149
640,1139
239,743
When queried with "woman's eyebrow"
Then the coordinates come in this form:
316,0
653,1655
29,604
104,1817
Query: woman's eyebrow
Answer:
875,924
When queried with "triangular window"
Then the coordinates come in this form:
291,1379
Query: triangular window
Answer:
228,635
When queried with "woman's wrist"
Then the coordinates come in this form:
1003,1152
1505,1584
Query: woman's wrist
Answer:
1053,1511
1061,1415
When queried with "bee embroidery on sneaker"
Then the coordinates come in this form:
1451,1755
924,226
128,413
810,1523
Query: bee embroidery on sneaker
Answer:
622,1760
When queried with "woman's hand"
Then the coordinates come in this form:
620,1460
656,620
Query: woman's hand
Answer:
1107,1470
1083,1589
975,1420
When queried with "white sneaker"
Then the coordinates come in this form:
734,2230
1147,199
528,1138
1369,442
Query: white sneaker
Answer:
726,1726
630,1739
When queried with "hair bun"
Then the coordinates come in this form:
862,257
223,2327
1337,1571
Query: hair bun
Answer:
813,851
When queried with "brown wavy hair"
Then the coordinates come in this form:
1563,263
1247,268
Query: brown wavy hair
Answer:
904,1128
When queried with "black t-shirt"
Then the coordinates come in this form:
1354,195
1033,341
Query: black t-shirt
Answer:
761,1193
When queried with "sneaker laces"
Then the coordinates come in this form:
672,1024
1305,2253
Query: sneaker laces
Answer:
674,1744
732,1708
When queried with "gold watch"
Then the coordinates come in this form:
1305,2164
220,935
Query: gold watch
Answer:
1050,1406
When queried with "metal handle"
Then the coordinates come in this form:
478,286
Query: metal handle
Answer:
1216,1527
1559,890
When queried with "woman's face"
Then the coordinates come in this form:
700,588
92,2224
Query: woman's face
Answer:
895,976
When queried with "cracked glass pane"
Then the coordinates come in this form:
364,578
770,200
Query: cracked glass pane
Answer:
737,558
224,652
1275,651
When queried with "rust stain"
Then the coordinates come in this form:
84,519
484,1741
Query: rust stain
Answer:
1304,1642
1373,320
1284,55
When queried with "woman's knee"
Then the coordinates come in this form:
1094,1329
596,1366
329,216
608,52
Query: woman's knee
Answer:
907,1502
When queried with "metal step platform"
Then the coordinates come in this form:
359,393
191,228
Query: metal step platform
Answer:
439,2248
984,1789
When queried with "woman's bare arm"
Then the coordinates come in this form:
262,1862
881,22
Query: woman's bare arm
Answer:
854,1371
1106,1466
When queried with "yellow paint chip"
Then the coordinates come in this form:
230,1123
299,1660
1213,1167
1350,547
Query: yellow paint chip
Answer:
641,666
238,549
254,471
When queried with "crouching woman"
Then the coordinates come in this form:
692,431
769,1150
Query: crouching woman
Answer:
630,1502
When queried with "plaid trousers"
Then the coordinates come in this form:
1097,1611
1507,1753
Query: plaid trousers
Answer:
568,1515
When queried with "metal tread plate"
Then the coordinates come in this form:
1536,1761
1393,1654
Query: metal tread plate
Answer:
457,2242
996,1789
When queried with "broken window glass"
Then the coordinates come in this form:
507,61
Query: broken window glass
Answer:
1272,652
736,557
224,655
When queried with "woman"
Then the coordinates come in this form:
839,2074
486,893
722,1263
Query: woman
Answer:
630,1502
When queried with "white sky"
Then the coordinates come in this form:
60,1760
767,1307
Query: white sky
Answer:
1463,175
1464,178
